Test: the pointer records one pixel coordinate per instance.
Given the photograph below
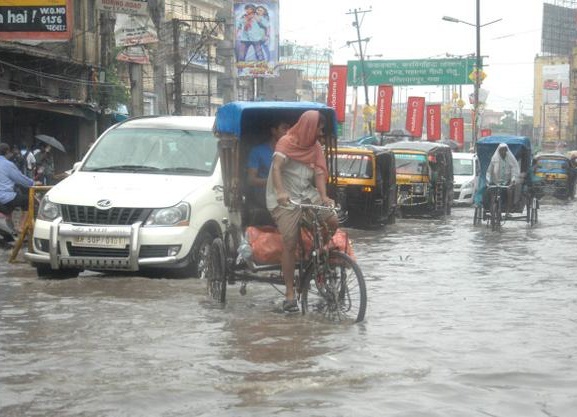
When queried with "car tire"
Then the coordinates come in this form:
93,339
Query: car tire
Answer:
199,254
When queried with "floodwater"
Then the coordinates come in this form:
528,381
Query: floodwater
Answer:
461,321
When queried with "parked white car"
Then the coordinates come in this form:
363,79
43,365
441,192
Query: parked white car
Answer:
466,174
146,197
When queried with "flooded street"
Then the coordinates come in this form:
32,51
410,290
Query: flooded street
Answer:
461,321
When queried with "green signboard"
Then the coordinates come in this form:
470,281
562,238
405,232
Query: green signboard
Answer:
412,72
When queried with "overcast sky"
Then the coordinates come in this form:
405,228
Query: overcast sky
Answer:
414,29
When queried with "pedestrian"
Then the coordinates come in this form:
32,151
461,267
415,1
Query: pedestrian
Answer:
45,165
298,172
10,177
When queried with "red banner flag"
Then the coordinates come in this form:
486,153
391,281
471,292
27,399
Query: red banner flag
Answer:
384,106
415,114
433,122
336,98
457,130
486,132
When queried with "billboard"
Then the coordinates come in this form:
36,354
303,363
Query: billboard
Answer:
559,29
45,20
555,88
412,72
415,114
256,38
384,108
123,6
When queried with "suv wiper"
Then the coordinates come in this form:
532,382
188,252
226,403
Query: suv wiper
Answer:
128,168
186,169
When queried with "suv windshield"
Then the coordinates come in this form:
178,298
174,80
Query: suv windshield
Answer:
354,166
154,151
463,167
410,163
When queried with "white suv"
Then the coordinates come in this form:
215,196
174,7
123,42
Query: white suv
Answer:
466,174
147,197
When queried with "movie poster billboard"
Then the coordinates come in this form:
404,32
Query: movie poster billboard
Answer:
46,20
256,38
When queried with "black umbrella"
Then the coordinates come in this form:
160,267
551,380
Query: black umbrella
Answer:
49,140
455,146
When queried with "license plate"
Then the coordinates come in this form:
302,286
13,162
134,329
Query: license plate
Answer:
100,241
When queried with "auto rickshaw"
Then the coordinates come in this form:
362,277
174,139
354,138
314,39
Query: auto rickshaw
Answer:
327,278
366,185
554,175
489,199
424,172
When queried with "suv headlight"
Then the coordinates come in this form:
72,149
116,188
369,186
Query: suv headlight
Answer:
178,215
467,185
48,210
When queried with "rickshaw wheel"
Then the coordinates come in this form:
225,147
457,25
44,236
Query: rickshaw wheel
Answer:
216,271
478,216
495,214
534,211
338,291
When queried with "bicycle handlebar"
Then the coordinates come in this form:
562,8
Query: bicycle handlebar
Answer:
313,206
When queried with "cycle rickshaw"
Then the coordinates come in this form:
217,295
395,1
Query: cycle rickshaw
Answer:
490,200
327,280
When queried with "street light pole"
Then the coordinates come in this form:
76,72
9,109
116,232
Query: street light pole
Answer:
478,73
478,62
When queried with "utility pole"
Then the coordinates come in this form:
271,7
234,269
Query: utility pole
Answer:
363,72
177,67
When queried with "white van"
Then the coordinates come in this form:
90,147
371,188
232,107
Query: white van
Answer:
466,170
147,197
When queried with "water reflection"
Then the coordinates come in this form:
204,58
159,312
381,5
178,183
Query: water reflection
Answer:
461,321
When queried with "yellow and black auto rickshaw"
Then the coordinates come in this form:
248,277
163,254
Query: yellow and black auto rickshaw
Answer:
366,185
424,172
554,175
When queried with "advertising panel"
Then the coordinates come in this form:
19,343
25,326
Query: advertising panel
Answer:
336,98
457,130
256,38
384,108
555,88
486,132
131,30
433,122
415,114
47,20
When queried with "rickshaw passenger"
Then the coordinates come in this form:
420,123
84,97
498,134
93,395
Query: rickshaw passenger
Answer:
298,171
504,170
259,161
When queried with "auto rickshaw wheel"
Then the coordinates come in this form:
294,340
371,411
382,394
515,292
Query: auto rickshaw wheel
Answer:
216,271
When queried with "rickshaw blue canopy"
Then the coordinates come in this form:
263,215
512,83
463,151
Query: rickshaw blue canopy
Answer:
520,146
230,118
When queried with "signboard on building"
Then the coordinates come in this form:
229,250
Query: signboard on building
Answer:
256,38
131,30
47,20
123,6
555,84
411,72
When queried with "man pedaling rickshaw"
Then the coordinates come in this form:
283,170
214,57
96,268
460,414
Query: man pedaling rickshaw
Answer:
504,170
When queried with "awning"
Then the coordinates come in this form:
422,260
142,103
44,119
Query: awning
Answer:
24,100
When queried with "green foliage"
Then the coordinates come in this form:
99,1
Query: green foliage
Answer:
114,92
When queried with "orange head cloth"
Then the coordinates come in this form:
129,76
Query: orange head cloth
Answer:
300,143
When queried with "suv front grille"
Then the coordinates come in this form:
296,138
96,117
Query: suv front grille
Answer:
114,216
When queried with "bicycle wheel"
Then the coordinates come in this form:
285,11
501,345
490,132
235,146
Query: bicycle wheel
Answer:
216,271
336,290
496,214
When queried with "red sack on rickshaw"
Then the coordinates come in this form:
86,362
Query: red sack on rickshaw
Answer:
266,244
